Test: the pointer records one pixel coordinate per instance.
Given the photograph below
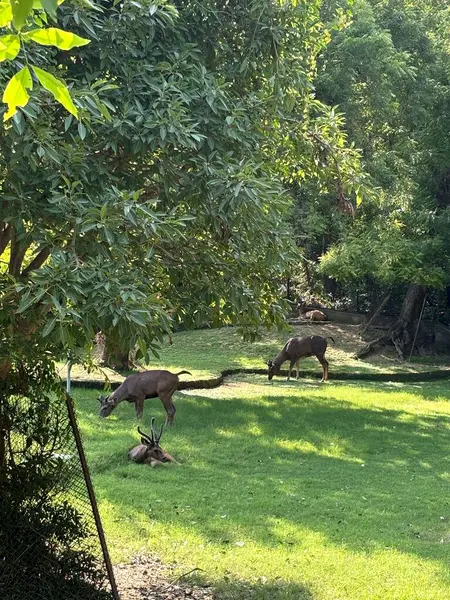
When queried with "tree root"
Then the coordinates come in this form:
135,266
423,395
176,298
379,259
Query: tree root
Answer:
401,336
372,346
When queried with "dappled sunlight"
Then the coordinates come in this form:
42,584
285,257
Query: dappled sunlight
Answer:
289,553
327,448
290,481
208,352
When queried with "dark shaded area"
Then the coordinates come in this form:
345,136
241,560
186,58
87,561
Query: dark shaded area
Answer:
232,589
48,540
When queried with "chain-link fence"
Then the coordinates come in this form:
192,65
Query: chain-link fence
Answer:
50,532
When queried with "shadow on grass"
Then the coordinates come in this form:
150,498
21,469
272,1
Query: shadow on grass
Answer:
282,590
282,467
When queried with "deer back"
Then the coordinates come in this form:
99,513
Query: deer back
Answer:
316,315
138,453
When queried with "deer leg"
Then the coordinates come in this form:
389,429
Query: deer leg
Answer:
324,364
291,364
297,368
139,406
169,407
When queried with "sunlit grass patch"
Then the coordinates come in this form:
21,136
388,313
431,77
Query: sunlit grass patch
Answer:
295,490
208,352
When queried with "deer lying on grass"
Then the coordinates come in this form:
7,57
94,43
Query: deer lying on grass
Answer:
312,315
149,451
140,386
297,348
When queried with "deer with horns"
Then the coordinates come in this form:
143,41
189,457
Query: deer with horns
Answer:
149,451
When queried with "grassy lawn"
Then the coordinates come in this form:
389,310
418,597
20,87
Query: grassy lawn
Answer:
207,352
301,491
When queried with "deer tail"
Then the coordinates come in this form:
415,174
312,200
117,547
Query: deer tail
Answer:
182,372
330,338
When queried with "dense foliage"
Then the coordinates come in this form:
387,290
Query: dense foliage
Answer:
388,72
163,201
166,197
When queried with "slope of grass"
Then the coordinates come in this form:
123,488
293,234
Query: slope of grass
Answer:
295,491
207,352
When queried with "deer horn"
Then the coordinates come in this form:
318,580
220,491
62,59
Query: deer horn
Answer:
152,425
145,436
160,434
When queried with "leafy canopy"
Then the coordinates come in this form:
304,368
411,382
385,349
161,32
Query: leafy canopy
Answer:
165,202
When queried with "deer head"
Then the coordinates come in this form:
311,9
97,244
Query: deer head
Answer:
107,404
150,452
273,369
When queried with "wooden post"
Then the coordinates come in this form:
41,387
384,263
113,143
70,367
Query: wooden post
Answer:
417,328
90,489
377,312
69,368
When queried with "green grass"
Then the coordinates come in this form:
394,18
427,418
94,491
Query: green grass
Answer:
296,491
205,353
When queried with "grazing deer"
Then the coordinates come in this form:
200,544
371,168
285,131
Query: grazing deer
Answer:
297,348
140,386
312,315
149,451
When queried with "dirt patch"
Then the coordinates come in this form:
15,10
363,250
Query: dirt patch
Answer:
147,578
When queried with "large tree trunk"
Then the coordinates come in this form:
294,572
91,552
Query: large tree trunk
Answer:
401,335
112,355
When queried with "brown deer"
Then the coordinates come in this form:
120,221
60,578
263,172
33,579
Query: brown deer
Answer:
312,315
297,348
149,451
140,386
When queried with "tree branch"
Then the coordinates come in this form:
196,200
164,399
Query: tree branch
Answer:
17,255
376,313
5,236
37,261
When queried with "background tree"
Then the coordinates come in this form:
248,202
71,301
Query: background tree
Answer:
388,73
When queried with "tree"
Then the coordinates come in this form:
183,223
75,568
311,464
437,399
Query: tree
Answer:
164,200
388,71
167,194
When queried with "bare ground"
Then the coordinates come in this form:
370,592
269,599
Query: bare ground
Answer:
147,578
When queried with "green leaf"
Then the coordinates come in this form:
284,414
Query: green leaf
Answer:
53,154
81,130
57,88
5,13
52,36
47,5
20,10
15,93
49,326
9,47
50,6
26,301
68,122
